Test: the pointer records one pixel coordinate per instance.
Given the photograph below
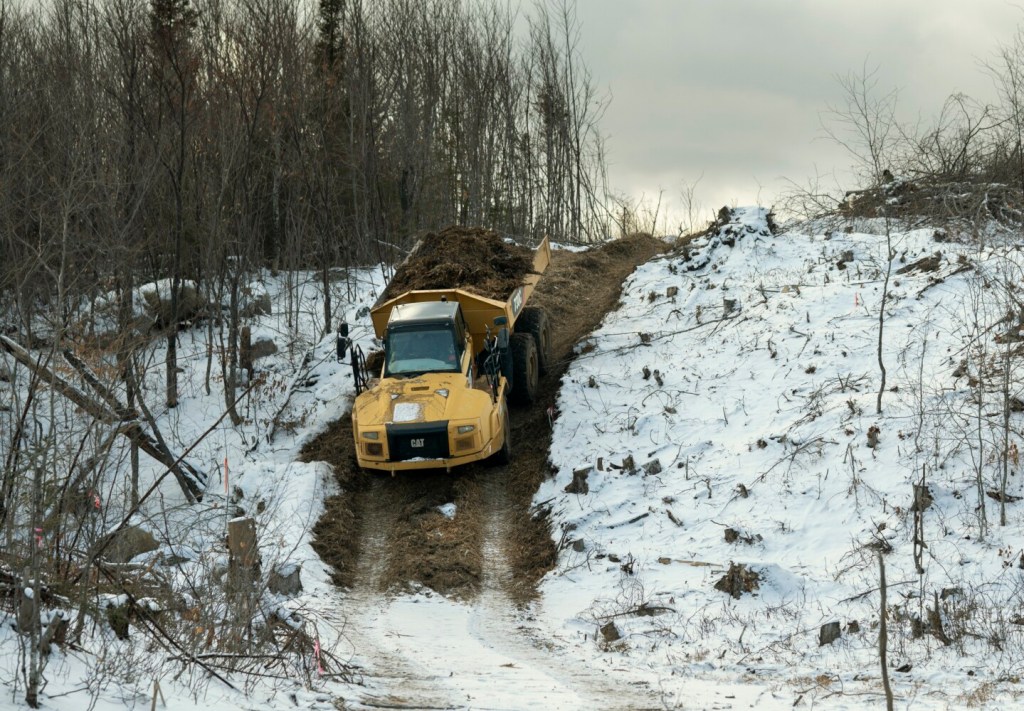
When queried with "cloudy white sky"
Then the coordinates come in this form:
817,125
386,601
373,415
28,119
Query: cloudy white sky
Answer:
734,90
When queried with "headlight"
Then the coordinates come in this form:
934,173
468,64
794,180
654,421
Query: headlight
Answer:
371,435
463,429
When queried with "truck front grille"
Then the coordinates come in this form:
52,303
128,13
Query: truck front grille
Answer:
418,441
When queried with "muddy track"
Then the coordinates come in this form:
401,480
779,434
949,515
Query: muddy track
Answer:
388,532
384,535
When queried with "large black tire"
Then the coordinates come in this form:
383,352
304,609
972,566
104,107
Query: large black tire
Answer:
504,455
534,320
524,367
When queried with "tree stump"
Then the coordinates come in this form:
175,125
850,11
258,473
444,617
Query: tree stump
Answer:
738,580
579,485
243,558
829,633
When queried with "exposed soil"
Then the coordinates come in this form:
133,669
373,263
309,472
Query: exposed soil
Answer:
473,259
419,545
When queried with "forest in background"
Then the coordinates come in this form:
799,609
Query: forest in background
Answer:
195,141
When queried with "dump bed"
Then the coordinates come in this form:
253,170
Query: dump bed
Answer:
479,310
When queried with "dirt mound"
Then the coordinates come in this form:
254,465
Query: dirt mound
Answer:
473,259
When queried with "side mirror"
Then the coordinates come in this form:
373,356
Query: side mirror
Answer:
343,342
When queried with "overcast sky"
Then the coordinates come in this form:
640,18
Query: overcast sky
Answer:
734,90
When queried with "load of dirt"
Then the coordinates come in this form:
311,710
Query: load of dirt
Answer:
474,259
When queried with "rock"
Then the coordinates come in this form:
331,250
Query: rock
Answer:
610,632
254,304
578,545
263,346
579,485
829,633
731,535
285,580
852,627
128,543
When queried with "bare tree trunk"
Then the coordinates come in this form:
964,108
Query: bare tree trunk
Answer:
883,633
881,313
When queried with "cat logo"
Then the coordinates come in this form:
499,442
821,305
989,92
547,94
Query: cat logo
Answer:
416,442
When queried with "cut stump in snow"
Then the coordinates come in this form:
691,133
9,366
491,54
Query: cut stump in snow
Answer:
738,580
579,485
243,560
610,632
829,633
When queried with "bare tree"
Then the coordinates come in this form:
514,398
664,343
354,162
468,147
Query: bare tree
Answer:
865,125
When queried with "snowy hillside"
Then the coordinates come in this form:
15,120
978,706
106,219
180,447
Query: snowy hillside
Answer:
727,414
723,417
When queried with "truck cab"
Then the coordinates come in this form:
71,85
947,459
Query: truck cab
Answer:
426,337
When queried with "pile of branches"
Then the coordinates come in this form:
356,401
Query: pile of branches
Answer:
937,199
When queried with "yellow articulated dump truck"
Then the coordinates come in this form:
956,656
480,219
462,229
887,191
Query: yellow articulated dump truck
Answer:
453,360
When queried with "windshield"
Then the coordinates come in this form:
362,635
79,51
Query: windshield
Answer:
421,350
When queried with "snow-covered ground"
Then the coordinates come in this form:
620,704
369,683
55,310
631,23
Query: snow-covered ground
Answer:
745,400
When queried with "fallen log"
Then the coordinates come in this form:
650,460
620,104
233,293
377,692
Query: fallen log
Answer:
191,480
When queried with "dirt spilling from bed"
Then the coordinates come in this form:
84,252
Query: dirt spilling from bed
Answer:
429,525
474,259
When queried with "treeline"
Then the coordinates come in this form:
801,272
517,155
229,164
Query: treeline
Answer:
965,165
195,140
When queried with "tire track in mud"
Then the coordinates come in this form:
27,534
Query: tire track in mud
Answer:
394,681
499,622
